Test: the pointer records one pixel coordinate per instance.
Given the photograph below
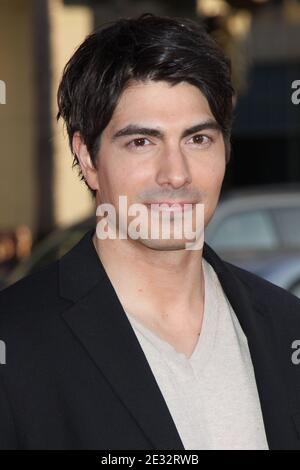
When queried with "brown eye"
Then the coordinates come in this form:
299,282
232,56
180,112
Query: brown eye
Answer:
139,142
200,139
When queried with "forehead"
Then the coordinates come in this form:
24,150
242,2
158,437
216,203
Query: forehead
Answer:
160,102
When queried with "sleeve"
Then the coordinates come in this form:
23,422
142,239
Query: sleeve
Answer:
8,437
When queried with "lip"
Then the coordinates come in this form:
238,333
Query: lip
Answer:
170,202
178,205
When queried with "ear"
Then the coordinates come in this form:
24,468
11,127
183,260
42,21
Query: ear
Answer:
87,167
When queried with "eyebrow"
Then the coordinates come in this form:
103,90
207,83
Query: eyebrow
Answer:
133,129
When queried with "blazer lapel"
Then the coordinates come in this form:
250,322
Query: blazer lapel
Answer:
100,323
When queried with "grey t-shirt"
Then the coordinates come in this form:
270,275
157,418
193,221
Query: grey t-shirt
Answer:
212,396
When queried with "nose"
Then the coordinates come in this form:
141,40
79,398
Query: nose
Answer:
173,168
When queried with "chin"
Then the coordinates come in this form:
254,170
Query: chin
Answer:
163,245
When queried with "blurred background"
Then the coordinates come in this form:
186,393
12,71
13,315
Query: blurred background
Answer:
45,209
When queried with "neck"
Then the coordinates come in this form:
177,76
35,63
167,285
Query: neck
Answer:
166,284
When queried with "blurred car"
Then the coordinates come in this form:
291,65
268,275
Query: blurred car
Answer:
52,247
256,228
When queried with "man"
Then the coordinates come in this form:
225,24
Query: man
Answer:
134,342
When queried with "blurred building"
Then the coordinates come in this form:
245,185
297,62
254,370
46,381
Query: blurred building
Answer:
37,186
39,189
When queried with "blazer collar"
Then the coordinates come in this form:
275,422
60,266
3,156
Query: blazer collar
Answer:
97,317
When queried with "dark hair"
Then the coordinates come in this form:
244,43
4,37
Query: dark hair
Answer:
147,47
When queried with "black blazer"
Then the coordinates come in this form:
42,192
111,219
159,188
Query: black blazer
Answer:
76,377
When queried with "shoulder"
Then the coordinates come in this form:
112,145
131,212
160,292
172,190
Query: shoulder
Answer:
31,298
260,291
267,296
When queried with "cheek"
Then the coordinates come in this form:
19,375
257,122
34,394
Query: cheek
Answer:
209,172
110,172
218,174
117,180
215,189
210,178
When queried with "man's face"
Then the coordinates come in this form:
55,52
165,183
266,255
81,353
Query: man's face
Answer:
177,163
